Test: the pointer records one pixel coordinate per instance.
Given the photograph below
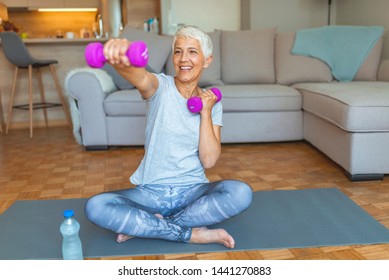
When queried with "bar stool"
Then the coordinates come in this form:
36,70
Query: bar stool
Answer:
17,54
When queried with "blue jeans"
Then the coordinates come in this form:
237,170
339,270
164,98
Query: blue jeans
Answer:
132,211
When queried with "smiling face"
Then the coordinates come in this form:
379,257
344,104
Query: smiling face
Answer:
189,60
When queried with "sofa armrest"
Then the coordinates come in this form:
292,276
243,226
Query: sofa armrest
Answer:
87,89
383,71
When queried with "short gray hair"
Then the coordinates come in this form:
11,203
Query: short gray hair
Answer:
195,33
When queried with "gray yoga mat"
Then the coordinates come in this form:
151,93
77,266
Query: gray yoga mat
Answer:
276,219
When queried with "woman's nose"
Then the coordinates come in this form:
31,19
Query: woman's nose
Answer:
184,56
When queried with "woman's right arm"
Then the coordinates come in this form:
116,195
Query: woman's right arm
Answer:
115,52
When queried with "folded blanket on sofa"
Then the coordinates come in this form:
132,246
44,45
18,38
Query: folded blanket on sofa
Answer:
343,48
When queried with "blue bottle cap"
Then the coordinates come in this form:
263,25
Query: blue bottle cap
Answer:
68,213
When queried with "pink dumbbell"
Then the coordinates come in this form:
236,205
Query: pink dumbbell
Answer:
195,104
137,54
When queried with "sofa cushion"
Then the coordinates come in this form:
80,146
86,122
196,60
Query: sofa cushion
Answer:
292,69
212,75
369,69
248,56
159,49
353,106
119,81
125,103
383,71
260,98
159,46
236,98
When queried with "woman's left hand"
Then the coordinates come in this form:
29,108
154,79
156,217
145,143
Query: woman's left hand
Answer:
209,99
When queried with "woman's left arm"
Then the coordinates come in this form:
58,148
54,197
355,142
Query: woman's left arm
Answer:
209,146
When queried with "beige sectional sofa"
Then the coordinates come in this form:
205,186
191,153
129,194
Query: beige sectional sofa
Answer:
269,95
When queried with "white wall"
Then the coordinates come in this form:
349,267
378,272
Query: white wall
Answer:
366,12
289,15
206,14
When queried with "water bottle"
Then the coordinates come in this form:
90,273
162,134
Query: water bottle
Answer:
71,244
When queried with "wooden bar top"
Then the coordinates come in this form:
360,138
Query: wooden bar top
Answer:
63,40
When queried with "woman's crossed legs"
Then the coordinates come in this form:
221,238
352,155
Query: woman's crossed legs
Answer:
177,213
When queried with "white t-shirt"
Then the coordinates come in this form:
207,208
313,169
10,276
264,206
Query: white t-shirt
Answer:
172,139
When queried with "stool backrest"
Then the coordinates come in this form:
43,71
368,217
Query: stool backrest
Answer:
15,50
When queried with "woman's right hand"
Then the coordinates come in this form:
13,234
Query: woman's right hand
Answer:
115,52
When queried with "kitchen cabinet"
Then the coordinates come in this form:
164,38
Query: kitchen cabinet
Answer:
51,3
15,3
32,4
63,3
81,3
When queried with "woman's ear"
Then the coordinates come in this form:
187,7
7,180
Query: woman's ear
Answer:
208,61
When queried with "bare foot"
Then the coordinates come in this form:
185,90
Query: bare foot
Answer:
203,235
123,237
158,216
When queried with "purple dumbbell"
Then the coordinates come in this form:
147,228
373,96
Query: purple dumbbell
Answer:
195,104
137,53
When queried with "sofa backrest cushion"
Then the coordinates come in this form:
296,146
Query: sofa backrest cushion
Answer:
369,68
212,75
248,56
291,69
159,49
383,71
118,79
159,46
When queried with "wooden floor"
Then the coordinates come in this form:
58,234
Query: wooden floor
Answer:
53,166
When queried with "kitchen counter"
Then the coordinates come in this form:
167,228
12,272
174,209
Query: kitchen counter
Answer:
70,55
62,41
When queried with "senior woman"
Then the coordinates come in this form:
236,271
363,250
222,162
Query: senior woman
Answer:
172,198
